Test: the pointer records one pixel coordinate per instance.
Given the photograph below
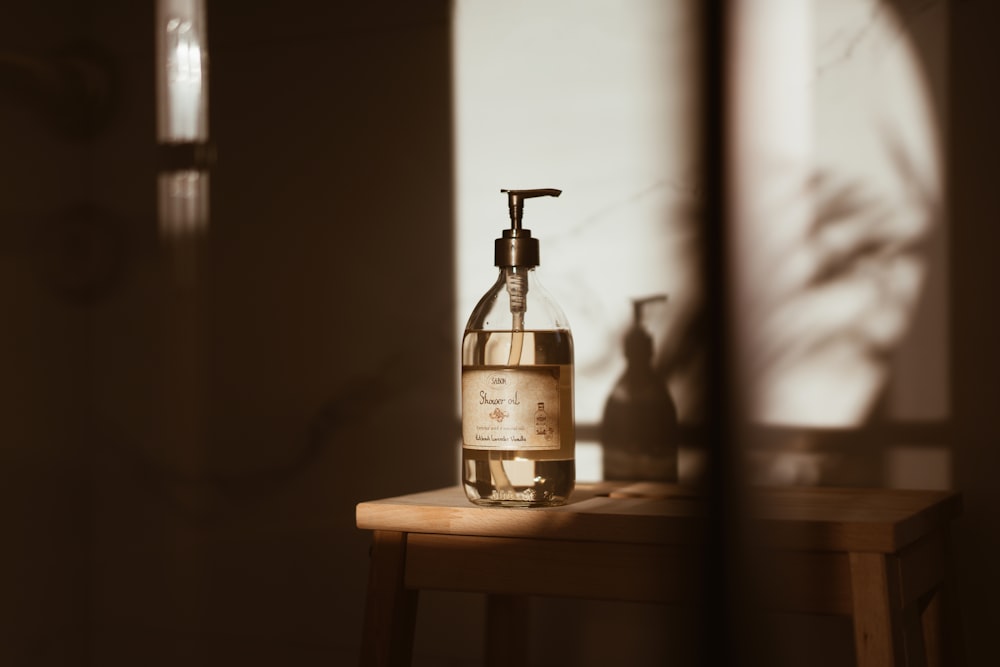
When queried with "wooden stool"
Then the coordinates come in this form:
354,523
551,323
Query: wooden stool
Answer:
877,555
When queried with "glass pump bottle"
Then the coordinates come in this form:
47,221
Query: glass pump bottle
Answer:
518,429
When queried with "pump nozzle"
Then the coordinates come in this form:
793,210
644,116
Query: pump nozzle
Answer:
515,202
517,247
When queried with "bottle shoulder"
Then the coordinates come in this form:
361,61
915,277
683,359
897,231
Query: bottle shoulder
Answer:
505,346
517,299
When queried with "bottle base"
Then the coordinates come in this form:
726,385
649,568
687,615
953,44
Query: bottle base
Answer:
526,498
518,482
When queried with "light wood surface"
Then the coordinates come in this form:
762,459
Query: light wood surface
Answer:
877,555
813,518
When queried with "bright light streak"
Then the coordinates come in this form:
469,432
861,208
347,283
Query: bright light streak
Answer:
838,184
181,71
182,112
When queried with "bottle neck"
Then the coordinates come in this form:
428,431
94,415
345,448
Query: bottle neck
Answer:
516,281
516,270
518,299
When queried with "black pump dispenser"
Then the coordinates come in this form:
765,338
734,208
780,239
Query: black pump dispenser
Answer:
517,247
639,430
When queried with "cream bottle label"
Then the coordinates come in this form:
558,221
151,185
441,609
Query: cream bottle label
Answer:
506,408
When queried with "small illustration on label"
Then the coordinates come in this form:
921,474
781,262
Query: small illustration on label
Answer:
541,428
499,415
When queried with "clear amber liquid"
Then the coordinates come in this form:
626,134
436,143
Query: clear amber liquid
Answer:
525,478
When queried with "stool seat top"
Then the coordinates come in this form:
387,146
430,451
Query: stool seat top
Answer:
800,518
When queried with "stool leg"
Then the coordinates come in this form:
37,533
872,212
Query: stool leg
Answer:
931,621
878,622
507,623
391,609
944,616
